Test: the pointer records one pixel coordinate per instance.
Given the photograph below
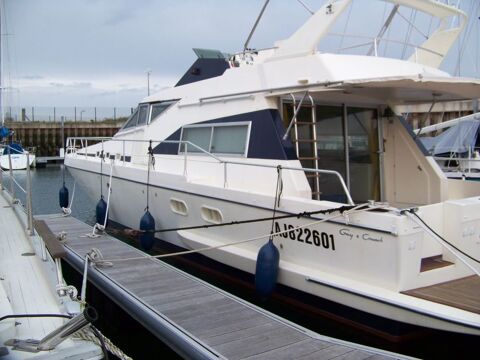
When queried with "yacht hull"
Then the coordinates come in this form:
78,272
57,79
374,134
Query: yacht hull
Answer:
19,161
320,265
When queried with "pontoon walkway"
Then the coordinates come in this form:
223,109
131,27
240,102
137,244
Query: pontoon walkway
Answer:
194,318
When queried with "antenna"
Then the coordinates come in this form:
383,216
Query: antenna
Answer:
255,25
1,64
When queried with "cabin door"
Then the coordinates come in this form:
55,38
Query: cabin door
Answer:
340,138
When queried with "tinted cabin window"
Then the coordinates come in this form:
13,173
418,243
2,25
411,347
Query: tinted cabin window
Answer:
132,121
217,139
142,115
199,136
157,109
229,139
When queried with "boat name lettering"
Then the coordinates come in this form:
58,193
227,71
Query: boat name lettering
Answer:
347,233
305,235
371,238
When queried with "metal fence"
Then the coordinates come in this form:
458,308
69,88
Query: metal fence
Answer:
71,113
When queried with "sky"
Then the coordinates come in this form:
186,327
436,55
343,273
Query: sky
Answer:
98,52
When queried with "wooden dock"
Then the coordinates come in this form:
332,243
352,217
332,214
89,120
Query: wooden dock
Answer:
194,318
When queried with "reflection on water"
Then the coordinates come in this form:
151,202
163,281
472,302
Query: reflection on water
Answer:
46,183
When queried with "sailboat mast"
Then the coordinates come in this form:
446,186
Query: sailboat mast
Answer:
1,64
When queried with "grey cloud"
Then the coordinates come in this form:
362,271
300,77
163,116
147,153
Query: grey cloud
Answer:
74,85
32,77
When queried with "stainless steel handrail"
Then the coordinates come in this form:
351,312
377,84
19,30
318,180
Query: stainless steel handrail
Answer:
71,148
375,41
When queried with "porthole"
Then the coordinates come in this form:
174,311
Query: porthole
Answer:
178,207
211,215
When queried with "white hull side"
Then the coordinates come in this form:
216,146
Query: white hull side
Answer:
19,161
309,268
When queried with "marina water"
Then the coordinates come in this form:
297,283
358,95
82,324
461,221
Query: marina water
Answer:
46,183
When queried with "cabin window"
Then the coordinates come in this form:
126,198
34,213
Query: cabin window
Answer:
142,114
158,109
227,139
132,121
199,136
147,112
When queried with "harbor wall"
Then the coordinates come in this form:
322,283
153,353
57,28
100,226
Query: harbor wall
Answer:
46,137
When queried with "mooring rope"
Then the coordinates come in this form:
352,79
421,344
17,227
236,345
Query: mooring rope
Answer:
277,196
356,209
68,210
98,226
150,162
305,214
112,162
88,335
102,159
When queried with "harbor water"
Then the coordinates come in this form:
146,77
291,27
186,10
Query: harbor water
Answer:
46,183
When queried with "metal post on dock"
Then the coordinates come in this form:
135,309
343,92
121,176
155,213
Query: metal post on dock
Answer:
12,188
62,134
29,198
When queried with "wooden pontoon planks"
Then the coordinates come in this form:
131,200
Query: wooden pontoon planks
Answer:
233,328
462,293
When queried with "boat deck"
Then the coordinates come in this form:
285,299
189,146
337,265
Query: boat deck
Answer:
25,288
213,323
462,293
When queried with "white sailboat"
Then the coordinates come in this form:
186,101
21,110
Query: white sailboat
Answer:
15,156
297,134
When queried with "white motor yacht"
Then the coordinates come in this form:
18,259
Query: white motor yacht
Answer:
363,216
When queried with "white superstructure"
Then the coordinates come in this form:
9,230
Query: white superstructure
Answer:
325,126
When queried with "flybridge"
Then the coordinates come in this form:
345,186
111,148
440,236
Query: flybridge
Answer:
430,52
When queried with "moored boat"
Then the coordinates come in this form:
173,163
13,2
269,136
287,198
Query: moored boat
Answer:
12,154
40,316
314,140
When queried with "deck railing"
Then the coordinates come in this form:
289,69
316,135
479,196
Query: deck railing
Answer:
374,44
464,164
75,144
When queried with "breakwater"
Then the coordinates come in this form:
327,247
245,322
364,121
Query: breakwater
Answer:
46,137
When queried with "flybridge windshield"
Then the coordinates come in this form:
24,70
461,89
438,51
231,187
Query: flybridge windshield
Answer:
146,113
395,30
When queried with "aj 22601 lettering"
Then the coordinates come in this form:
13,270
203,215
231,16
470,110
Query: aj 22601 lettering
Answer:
307,236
